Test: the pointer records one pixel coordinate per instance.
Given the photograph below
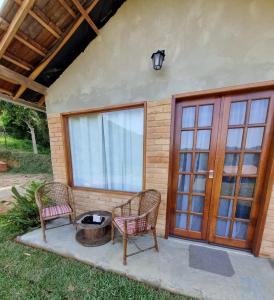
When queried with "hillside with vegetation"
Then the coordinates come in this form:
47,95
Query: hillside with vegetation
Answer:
24,139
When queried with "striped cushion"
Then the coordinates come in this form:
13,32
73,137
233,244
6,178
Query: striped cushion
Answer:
132,226
56,210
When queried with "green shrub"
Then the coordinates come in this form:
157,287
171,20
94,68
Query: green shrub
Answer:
27,162
24,214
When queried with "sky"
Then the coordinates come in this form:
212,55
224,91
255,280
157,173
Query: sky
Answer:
1,3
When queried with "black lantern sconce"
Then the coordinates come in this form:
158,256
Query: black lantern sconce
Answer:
157,59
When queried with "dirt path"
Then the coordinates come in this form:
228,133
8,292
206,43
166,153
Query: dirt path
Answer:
7,180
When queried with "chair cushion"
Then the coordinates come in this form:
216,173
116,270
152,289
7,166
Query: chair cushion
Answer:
132,226
56,210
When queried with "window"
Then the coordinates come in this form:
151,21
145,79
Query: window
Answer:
107,149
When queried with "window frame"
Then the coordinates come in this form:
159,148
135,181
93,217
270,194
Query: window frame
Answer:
67,148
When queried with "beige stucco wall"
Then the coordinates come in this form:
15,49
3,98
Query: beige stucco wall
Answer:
208,43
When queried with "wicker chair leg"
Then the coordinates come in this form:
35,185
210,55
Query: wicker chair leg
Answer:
112,232
43,227
155,239
74,220
125,248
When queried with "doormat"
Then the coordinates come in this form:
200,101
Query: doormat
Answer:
210,260
271,262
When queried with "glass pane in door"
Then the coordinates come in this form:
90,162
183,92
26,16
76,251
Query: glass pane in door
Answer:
237,113
231,163
182,202
181,221
185,162
205,115
187,140
239,231
203,139
225,207
228,186
254,138
197,204
199,182
258,111
234,139
201,160
223,227
250,163
183,183
195,223
247,186
188,117
243,209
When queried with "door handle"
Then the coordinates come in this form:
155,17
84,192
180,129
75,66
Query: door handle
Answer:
211,174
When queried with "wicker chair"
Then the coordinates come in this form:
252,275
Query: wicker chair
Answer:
137,216
54,200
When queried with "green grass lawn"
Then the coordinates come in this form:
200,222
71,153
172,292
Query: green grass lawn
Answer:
23,145
28,273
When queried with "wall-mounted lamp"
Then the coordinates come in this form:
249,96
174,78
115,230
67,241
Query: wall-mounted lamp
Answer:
157,59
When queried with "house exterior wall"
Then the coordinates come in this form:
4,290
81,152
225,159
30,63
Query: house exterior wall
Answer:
208,43
156,168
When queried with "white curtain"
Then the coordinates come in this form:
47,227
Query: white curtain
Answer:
107,150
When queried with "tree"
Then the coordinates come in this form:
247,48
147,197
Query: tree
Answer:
24,121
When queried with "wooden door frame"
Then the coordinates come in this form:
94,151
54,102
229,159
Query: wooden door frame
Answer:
269,176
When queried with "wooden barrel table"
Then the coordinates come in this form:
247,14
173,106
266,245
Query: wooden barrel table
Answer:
90,233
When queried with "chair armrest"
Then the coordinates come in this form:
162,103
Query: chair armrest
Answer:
136,218
122,206
144,216
71,198
37,197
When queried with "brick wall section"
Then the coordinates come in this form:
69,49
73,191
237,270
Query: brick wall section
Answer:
157,153
86,200
57,147
267,247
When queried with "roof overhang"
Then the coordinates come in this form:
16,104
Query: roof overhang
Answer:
39,39
22,102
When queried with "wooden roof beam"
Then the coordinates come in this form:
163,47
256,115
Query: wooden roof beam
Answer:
85,14
35,73
41,18
6,92
41,102
16,78
15,24
22,102
17,61
31,44
68,8
24,39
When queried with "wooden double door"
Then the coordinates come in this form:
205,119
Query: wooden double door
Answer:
220,154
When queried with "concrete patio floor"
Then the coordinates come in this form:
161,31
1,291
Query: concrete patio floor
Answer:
184,267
